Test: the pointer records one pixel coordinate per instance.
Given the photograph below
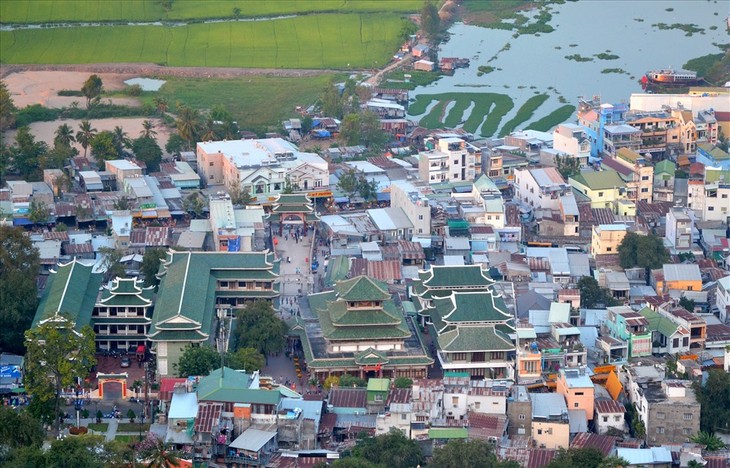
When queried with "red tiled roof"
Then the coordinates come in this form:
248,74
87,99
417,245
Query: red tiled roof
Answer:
540,457
718,332
603,443
383,162
616,166
604,405
56,235
76,249
603,216
167,385
327,423
348,397
385,270
482,426
411,250
157,236
398,395
208,416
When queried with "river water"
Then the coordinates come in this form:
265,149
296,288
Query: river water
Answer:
535,63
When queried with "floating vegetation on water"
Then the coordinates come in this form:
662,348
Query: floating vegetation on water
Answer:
488,110
619,71
558,116
713,28
524,113
562,100
688,28
558,47
533,87
579,58
573,45
521,87
484,69
605,56
669,9
639,20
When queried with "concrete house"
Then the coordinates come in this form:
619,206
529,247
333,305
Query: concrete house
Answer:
609,414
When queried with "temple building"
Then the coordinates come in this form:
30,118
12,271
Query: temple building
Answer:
195,287
122,315
470,324
292,208
359,330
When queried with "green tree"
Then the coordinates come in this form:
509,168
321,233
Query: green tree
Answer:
194,204
391,449
188,124
80,451
331,101
648,252
38,212
147,150
7,108
64,136
403,382
18,429
208,130
347,380
407,29
307,123
350,130
246,358
430,20
112,263
368,189
592,294
460,453
148,129
151,265
259,328
331,381
27,154
103,148
239,196
349,182
123,204
567,166
161,457
175,145
236,12
711,442
85,135
160,104
198,360
92,90
577,458
714,397
57,356
121,140
686,303
371,134
19,265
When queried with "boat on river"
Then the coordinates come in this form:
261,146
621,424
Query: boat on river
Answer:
669,76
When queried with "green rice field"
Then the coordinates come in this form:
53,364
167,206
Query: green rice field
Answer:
312,41
48,11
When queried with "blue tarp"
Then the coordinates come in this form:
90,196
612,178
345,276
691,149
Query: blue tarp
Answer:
234,245
323,133
342,200
22,222
384,196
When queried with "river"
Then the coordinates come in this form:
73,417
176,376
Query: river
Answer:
538,64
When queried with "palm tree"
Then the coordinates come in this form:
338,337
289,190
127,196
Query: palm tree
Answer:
64,135
161,457
148,129
188,124
161,104
208,130
121,139
85,134
709,440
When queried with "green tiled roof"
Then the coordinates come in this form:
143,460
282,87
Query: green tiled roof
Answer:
600,180
341,317
714,176
718,154
378,385
232,386
362,288
337,269
244,275
127,292
370,357
71,291
665,167
658,322
187,291
455,276
474,338
448,433
472,307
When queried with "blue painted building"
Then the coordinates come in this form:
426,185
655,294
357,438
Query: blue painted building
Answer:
594,117
710,155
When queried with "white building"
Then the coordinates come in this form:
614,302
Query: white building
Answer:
408,197
572,140
679,229
540,188
451,159
722,298
262,167
609,414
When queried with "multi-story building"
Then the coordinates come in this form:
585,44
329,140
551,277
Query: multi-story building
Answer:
448,160
361,331
578,390
713,156
659,130
706,126
572,140
697,326
122,169
664,181
122,315
606,238
235,230
414,203
262,168
636,171
620,136
199,289
595,117
609,414
667,336
678,277
624,324
679,229
722,298
540,188
550,421
519,411
604,188
687,130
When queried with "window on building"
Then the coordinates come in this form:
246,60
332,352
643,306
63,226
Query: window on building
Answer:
660,430
211,177
576,404
539,432
455,401
661,415
456,175
644,177
617,418
522,417
420,217
605,419
223,284
724,195
644,190
579,393
685,341
687,431
687,416
609,249
710,208
210,164
403,416
600,194
477,404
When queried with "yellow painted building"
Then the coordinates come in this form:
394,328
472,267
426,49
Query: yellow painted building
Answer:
606,238
604,188
550,422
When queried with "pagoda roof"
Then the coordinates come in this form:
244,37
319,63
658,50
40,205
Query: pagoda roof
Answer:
362,288
482,306
455,276
341,316
370,357
126,291
474,338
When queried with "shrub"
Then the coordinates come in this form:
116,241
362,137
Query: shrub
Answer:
134,90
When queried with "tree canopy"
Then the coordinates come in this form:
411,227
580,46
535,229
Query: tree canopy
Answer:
714,396
19,263
7,108
248,359
259,328
151,265
57,356
459,453
363,129
430,20
389,450
198,360
567,166
641,251
92,89
18,429
146,149
711,442
103,147
592,294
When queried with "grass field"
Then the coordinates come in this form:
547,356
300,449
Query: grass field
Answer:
255,102
314,41
558,116
101,427
45,11
524,113
488,108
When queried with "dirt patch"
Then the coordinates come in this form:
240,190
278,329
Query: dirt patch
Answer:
44,131
42,87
